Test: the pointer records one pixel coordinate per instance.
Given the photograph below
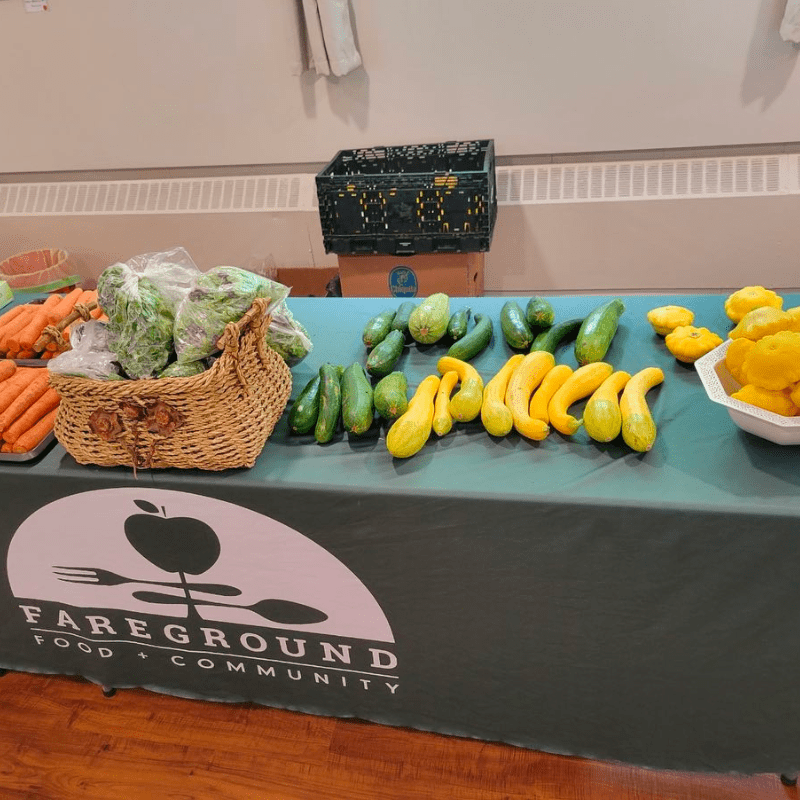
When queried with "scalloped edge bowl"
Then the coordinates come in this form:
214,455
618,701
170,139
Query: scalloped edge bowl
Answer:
719,385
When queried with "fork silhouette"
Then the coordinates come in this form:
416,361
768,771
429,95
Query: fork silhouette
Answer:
104,577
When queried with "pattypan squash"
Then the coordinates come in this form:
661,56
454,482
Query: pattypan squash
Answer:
777,402
795,394
688,343
774,362
737,351
760,322
794,316
748,298
665,319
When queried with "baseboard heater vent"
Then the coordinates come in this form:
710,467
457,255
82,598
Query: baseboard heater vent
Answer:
591,182
671,179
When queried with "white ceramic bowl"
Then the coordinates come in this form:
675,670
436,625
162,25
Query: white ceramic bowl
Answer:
719,385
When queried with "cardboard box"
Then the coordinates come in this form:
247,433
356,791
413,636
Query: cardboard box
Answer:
306,281
455,274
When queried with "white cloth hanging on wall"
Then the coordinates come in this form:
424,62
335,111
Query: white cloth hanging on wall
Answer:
325,37
790,27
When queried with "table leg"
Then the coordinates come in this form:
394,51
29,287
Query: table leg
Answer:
789,780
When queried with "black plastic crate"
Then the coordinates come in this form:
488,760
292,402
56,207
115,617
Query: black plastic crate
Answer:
425,198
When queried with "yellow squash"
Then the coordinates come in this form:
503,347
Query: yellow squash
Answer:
638,427
688,343
602,417
442,419
665,319
411,430
550,384
582,383
495,414
466,403
526,377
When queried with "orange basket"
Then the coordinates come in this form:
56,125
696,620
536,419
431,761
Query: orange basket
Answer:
39,271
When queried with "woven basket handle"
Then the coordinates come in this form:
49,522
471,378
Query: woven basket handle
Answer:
255,319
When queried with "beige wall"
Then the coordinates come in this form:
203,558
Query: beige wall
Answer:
684,245
143,83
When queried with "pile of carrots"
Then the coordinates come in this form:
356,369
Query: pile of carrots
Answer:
21,327
28,406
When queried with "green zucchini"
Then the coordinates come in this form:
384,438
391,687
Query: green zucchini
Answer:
514,326
330,403
377,329
557,334
539,313
385,355
357,409
400,322
597,331
457,326
303,413
475,341
428,321
391,396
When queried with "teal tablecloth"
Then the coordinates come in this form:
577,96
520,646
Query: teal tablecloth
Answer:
563,595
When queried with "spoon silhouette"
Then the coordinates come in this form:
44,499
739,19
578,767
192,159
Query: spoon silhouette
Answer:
282,611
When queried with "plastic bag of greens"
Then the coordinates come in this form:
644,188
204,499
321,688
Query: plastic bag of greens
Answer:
140,298
287,336
90,356
178,370
219,296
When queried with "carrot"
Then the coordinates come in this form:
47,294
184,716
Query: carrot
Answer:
97,313
12,313
103,318
25,399
11,387
48,354
14,327
64,306
25,339
44,405
5,448
27,354
36,434
7,369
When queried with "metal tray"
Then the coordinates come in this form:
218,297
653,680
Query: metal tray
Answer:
31,454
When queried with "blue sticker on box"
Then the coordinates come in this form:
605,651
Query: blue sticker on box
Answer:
403,282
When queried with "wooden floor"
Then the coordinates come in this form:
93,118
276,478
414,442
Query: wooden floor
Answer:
60,738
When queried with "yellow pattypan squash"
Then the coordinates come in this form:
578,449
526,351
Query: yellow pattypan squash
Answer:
760,322
665,319
737,351
688,343
774,361
794,316
777,402
748,298
794,395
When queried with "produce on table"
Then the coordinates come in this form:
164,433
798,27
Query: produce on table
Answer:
763,321
774,361
465,404
378,327
330,403
778,402
385,355
457,326
602,417
539,313
560,333
638,427
409,433
688,343
543,394
516,331
286,336
428,321
390,396
735,355
526,377
749,297
28,407
665,319
442,418
582,383
473,342
357,408
597,331
400,321
495,414
304,411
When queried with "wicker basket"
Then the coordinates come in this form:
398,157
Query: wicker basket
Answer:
216,420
